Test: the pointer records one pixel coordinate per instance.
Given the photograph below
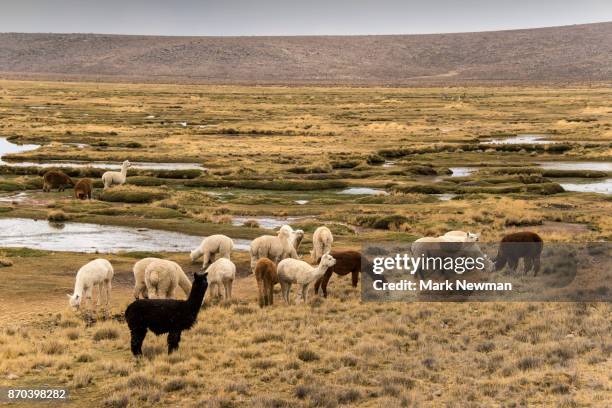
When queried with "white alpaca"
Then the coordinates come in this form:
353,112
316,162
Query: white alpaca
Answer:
322,241
162,277
98,272
292,271
274,248
213,245
295,236
221,272
443,246
115,177
463,236
140,287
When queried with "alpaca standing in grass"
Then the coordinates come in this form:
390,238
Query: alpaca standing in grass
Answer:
140,286
221,272
524,244
267,277
322,241
274,248
115,177
295,236
165,316
346,262
162,277
462,236
83,189
210,247
56,179
98,272
297,271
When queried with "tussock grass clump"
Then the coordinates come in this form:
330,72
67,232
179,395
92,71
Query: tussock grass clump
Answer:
276,185
57,216
251,224
53,347
384,222
116,401
131,194
307,355
106,333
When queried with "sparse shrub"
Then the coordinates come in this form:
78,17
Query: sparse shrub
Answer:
53,347
57,216
307,355
72,334
82,379
485,347
116,401
251,224
84,358
528,363
106,333
242,310
175,384
131,194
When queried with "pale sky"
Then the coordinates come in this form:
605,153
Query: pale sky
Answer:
291,17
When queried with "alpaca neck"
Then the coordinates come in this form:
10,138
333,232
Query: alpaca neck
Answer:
78,288
124,170
196,296
320,271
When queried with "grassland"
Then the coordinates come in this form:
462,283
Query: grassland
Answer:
265,148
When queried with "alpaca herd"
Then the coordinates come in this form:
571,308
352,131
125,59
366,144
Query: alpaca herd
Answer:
274,259
83,189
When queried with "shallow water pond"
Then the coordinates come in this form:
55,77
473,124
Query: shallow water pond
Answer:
520,139
91,238
462,171
576,165
363,191
7,147
583,186
109,166
445,196
269,222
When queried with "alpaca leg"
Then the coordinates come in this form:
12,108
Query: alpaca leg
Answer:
317,285
138,336
536,265
285,288
325,281
261,290
174,338
138,289
527,264
228,290
270,293
109,287
355,278
304,292
512,264
99,297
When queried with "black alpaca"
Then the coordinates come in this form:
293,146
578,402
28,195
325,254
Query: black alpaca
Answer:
165,315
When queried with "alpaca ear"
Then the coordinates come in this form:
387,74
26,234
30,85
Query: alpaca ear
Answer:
69,295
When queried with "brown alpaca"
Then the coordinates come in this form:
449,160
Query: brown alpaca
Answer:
83,189
346,262
56,179
513,247
267,277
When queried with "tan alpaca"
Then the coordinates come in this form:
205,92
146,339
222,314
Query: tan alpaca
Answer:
267,277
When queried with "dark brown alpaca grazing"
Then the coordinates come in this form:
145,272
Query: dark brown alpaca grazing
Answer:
267,277
83,189
513,247
346,262
56,179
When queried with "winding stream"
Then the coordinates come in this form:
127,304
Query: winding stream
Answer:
7,147
96,238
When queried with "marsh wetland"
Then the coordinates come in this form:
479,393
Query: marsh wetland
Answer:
373,164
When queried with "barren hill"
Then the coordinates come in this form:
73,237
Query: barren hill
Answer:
558,54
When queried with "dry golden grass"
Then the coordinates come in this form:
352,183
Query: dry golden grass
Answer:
329,352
